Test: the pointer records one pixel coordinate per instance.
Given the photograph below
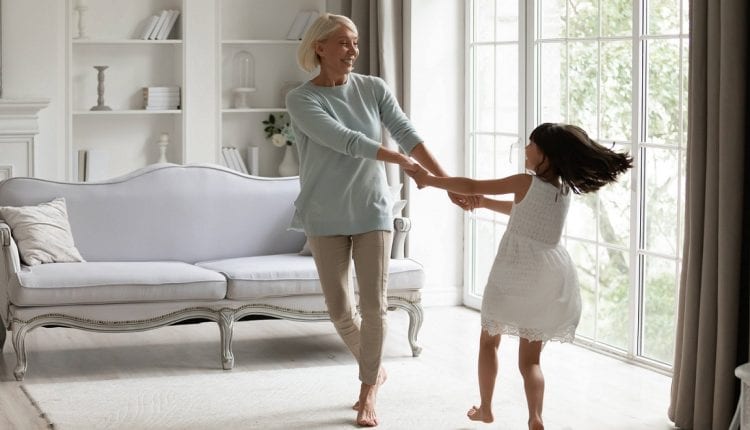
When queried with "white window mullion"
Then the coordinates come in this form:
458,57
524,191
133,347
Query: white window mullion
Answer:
469,298
528,92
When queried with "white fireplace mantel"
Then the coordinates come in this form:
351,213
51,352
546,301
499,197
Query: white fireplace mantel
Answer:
19,116
18,126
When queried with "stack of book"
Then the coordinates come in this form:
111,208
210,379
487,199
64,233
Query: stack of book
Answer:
93,165
232,159
159,26
161,98
301,23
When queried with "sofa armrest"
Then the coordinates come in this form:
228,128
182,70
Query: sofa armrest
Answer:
401,227
10,264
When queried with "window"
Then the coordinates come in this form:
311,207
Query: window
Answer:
617,68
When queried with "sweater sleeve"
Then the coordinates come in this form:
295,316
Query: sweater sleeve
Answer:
394,119
310,117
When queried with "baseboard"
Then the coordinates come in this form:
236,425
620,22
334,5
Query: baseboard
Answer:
442,296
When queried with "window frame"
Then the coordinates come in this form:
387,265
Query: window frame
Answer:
529,108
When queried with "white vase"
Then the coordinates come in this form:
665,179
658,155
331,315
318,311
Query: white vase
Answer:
289,165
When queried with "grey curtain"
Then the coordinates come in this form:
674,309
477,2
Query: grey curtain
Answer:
381,50
712,316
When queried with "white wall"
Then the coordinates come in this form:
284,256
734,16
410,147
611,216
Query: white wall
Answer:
34,67
435,102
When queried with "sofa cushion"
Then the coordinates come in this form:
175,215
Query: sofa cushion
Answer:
115,282
293,274
42,232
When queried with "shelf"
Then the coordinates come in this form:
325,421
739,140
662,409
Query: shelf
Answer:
252,110
126,42
127,112
260,42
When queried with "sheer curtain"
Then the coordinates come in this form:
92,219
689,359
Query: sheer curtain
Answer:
712,309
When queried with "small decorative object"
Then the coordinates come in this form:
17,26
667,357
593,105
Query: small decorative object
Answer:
280,132
289,165
163,142
253,155
100,90
243,68
81,8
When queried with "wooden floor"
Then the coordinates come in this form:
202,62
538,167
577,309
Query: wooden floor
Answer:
601,389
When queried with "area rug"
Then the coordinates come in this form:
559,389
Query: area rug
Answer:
302,398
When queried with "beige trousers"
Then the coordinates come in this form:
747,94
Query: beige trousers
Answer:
363,334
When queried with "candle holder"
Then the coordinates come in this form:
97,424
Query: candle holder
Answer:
163,142
81,8
100,90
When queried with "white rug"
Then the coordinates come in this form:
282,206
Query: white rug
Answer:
303,398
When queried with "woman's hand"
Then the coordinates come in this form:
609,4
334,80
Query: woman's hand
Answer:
420,176
409,166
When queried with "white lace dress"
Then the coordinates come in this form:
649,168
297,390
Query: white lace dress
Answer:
532,290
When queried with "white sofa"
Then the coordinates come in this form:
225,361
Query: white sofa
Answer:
171,243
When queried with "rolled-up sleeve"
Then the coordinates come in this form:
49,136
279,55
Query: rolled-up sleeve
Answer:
394,119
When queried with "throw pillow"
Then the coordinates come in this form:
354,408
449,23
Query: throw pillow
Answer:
305,249
42,232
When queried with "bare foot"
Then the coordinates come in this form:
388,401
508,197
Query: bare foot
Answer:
366,414
536,424
476,413
382,377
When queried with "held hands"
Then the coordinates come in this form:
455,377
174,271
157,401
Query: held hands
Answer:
422,178
416,172
467,203
410,166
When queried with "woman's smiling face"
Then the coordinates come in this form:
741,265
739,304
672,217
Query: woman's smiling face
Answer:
339,51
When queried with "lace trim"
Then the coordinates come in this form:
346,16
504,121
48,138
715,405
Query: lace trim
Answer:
565,334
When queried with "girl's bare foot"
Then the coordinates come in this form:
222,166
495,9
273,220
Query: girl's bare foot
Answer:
382,377
476,413
366,414
536,424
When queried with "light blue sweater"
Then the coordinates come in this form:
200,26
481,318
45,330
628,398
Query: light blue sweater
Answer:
337,134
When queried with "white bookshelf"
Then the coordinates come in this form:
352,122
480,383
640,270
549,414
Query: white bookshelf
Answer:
128,133
198,58
128,112
259,27
125,42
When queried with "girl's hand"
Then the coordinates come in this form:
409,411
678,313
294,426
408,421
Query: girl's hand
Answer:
467,203
476,201
420,176
410,166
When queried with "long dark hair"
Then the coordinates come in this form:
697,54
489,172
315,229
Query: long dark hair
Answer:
579,161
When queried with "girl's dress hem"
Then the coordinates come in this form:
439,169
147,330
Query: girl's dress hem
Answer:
562,335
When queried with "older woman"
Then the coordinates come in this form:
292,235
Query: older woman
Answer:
344,205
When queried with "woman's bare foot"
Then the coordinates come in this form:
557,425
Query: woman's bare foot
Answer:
476,413
366,414
536,424
382,377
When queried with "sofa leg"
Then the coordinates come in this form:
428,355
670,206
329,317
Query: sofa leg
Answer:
3,333
416,315
415,324
226,328
19,344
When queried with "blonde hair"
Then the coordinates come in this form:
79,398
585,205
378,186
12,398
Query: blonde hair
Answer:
319,31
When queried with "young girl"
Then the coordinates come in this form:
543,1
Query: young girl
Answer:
532,290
